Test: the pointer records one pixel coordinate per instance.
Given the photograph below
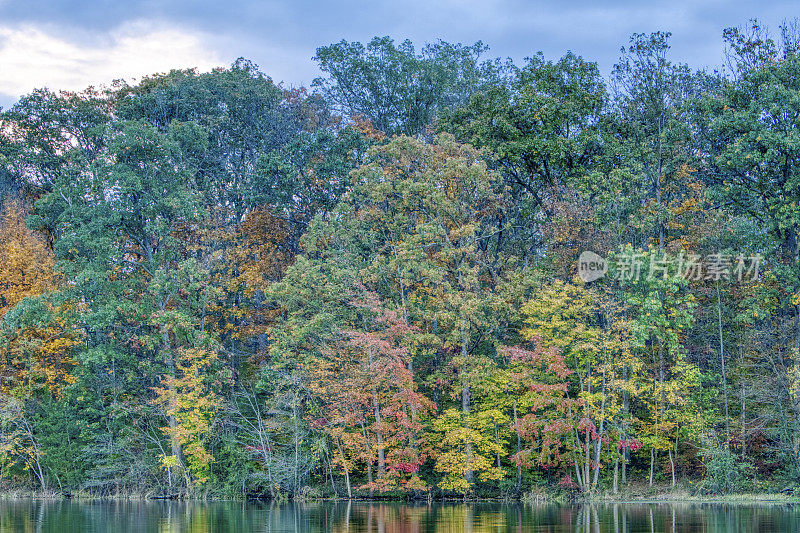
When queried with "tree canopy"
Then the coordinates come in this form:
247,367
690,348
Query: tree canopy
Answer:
211,284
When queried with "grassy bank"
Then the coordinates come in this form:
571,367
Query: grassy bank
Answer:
683,493
681,497
537,495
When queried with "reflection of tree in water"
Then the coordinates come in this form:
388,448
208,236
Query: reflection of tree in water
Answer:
391,517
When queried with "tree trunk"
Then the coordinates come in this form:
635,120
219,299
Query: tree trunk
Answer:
652,463
586,463
599,441
672,466
175,445
379,438
346,470
465,409
578,473
378,432
625,409
743,418
296,443
369,463
724,378
519,449
626,454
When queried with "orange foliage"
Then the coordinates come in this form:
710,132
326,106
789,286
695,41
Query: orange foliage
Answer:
26,268
38,353
570,229
365,127
259,253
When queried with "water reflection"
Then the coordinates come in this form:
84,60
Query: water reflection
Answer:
173,517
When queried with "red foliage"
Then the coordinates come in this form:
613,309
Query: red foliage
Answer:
547,411
631,444
369,397
567,482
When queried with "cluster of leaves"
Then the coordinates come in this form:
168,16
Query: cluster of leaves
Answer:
212,284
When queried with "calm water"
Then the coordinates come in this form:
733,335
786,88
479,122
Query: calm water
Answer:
228,516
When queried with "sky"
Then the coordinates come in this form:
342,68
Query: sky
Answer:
64,44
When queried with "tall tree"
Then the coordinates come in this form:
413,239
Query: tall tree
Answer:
394,87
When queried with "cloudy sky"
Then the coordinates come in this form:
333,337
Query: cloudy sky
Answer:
71,44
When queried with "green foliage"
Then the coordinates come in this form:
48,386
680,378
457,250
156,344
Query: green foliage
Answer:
396,88
725,472
213,285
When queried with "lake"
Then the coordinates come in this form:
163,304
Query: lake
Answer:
67,516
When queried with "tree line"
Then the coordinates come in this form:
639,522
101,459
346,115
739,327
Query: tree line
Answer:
211,284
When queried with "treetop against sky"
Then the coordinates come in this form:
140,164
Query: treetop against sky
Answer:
70,45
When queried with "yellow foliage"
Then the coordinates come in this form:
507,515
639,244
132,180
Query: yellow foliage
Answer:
36,354
26,267
189,398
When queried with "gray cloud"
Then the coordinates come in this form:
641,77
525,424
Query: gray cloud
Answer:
281,36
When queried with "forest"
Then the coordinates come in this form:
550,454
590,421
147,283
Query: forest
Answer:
212,285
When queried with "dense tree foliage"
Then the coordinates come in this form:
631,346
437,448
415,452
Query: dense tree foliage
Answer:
210,284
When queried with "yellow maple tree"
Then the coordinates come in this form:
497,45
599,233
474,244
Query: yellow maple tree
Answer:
32,353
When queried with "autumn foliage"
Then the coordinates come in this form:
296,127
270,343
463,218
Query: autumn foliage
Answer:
211,285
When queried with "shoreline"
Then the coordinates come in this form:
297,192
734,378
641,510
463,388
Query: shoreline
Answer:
664,498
